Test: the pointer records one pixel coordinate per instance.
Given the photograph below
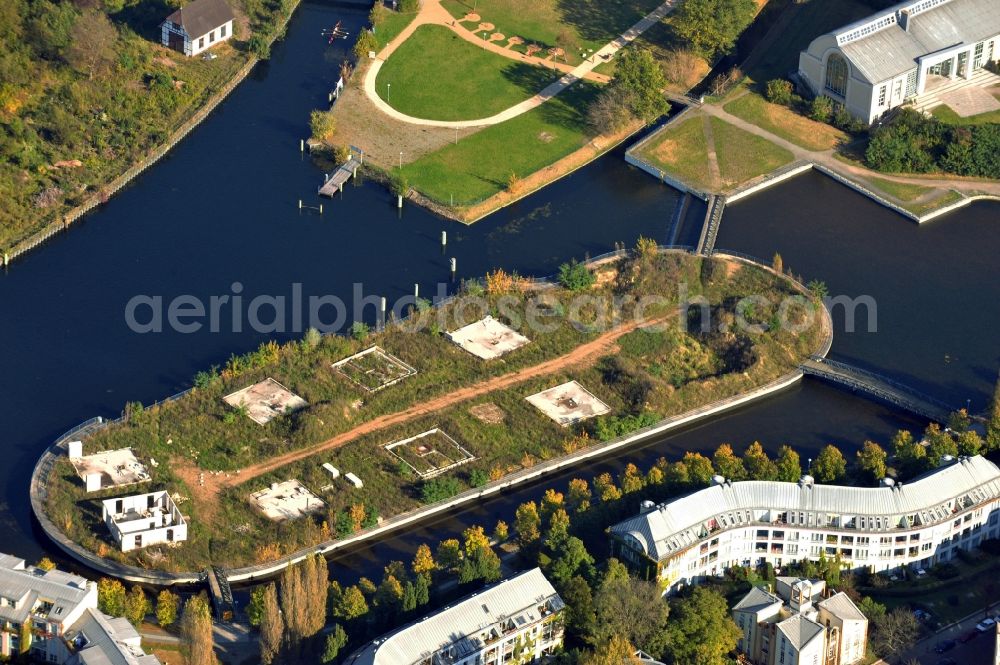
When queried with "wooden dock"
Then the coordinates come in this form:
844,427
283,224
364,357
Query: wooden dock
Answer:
336,180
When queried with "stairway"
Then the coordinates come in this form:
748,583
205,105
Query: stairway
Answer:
931,99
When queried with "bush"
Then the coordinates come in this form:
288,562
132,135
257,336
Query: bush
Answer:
478,478
439,489
378,14
322,125
821,109
260,46
408,6
779,91
575,276
365,44
360,331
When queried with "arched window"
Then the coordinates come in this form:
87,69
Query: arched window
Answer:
836,74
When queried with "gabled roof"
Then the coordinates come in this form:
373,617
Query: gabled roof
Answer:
800,631
63,590
676,525
892,50
201,16
460,625
840,605
110,641
757,599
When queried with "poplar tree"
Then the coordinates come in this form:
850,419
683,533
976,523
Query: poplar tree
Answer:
272,626
196,632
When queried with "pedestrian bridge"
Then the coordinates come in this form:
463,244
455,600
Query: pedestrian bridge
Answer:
878,386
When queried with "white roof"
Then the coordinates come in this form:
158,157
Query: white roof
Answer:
461,625
840,605
673,526
109,641
888,50
799,630
64,590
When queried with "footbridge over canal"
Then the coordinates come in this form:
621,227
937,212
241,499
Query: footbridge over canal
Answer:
877,386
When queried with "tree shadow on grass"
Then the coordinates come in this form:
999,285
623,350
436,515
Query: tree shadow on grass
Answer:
530,78
144,18
602,20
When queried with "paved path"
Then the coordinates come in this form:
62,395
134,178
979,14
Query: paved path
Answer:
826,158
432,13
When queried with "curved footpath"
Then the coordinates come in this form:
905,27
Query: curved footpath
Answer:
45,464
432,13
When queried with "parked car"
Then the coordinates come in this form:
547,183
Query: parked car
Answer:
944,646
922,615
969,636
986,624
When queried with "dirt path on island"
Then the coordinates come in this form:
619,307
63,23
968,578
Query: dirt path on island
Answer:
207,491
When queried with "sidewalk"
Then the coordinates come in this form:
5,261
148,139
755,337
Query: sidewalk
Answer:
433,13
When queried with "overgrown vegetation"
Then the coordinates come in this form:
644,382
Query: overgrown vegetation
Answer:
86,91
681,368
912,143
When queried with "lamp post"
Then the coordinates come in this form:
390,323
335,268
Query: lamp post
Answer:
400,160
388,88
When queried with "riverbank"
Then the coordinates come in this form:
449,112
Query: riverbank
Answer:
43,476
102,193
685,155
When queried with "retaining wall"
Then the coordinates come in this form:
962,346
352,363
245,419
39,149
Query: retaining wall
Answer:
39,479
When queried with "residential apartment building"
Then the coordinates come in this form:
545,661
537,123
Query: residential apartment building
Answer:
53,616
518,620
751,523
800,625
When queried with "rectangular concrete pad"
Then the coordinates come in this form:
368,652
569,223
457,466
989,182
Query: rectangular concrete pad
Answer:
116,467
287,501
568,403
265,401
488,338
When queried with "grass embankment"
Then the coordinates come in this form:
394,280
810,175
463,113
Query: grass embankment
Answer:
87,92
644,376
743,156
683,152
572,27
918,199
786,123
480,165
437,75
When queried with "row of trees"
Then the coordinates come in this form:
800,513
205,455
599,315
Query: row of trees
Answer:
134,605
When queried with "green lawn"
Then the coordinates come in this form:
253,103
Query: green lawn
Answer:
480,165
918,199
682,151
744,156
437,75
587,24
814,18
394,24
786,123
946,115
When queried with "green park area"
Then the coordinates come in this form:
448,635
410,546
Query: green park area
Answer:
436,75
946,115
481,165
685,152
212,456
786,123
573,27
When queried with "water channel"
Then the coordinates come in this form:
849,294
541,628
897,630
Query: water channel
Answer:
222,209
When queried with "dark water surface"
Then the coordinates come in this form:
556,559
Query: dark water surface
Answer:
223,209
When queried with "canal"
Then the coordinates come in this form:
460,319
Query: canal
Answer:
222,209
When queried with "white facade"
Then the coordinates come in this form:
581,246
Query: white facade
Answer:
751,523
143,519
517,620
878,63
798,626
197,27
53,616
